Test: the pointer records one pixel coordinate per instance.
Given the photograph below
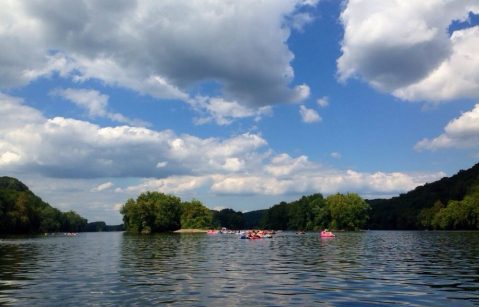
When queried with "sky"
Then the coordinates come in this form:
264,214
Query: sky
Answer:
237,103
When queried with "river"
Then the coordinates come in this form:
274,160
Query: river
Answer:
354,268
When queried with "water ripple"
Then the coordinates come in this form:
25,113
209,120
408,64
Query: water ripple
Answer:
362,268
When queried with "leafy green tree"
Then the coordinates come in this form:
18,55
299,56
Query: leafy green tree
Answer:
152,212
348,212
51,220
131,216
277,217
228,218
426,216
458,215
195,215
21,213
73,222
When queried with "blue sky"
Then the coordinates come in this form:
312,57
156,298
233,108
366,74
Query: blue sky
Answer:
239,104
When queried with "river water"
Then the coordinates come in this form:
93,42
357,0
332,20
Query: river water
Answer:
354,268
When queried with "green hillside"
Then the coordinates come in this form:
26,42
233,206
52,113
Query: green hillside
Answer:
22,212
417,208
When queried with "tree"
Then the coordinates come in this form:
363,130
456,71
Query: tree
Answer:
229,218
459,215
73,222
276,217
348,212
51,220
152,212
426,216
195,215
406,210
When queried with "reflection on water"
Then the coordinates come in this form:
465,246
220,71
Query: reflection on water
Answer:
414,268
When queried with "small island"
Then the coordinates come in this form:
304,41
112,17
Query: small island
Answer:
158,212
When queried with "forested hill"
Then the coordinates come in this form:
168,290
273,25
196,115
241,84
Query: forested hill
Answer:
21,211
449,203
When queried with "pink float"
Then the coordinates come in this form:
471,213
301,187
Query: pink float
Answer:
326,234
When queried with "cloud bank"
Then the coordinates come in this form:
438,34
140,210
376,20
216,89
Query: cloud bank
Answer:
158,48
242,164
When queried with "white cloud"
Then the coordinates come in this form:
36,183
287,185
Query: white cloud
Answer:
117,207
95,103
162,164
285,175
8,157
88,150
461,132
283,165
159,48
171,185
323,181
162,161
300,20
103,187
336,155
404,47
323,102
457,76
91,100
302,92
223,112
309,115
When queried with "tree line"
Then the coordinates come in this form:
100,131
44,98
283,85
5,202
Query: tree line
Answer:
21,211
158,212
314,212
450,203
458,214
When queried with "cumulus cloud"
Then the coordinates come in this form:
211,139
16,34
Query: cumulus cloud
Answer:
325,181
65,147
103,187
95,103
91,100
404,47
78,151
285,175
159,48
174,185
336,155
309,115
223,112
284,165
461,132
323,102
455,77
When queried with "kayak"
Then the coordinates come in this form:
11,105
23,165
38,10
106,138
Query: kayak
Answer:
326,234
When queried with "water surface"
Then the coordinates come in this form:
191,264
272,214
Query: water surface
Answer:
354,268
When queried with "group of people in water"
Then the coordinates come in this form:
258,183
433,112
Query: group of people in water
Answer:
257,234
260,234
